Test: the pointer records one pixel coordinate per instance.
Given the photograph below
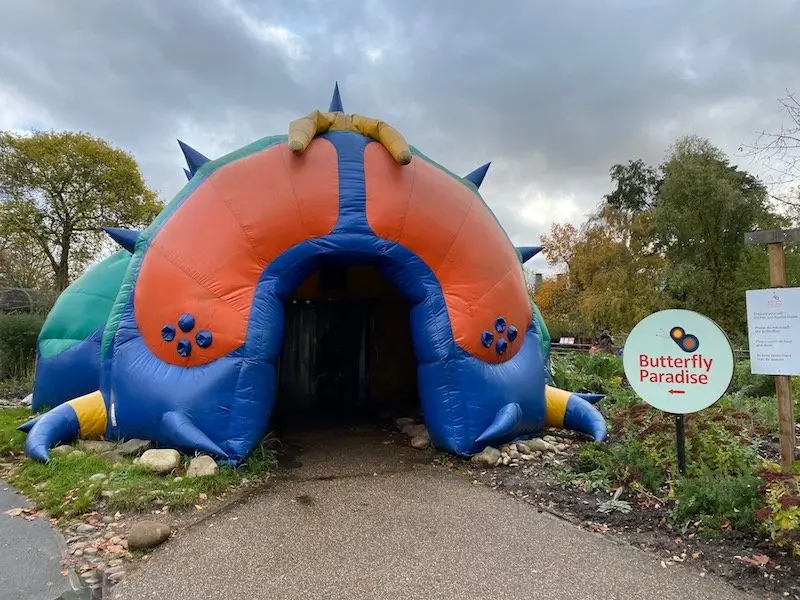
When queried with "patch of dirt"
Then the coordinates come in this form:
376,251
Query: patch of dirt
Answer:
749,563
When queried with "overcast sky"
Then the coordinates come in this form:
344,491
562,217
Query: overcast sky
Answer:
552,92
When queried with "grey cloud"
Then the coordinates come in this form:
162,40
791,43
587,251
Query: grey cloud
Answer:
552,93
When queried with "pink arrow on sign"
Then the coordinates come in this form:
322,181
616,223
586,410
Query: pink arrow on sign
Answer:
676,391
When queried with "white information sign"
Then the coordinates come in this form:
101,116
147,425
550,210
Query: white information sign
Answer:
773,328
678,361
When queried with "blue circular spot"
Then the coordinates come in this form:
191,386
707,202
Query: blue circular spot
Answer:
501,346
512,333
186,322
168,333
500,324
487,339
203,338
184,348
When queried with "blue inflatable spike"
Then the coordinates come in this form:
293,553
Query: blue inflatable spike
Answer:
28,425
584,417
336,100
591,398
188,174
59,426
184,434
505,422
528,252
478,174
124,237
194,159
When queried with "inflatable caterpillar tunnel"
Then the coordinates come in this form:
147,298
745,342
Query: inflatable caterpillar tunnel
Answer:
176,338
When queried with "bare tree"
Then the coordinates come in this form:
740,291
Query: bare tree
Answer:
781,152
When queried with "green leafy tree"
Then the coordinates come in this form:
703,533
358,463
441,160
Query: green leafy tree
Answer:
703,210
19,266
58,188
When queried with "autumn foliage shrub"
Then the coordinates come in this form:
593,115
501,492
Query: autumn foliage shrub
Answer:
781,515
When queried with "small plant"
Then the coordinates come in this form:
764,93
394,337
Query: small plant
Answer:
622,463
615,504
718,501
781,515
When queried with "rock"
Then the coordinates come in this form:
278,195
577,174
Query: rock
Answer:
538,445
201,466
561,447
114,457
115,563
116,540
148,534
523,449
513,454
97,477
109,570
527,456
160,461
107,494
108,518
415,430
488,457
78,553
90,550
62,450
134,447
77,453
116,576
403,422
108,535
549,439
27,400
420,442
178,479
505,461
96,446
85,528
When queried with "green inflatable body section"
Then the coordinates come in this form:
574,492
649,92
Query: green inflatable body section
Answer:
84,306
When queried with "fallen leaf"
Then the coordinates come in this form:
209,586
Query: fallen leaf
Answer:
203,497
757,560
678,558
696,555
14,512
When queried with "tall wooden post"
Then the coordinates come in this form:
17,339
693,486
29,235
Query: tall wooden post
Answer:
774,241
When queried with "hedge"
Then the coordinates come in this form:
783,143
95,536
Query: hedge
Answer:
18,335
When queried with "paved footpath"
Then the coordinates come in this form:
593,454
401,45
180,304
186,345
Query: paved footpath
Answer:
30,554
366,521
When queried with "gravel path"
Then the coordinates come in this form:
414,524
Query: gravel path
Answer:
363,519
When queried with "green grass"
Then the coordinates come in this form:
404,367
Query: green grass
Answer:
63,487
64,490
11,440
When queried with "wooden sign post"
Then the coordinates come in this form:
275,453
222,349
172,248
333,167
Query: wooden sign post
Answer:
774,241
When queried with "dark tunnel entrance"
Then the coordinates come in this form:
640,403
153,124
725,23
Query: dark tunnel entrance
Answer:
348,356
